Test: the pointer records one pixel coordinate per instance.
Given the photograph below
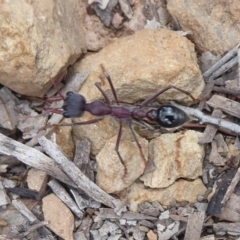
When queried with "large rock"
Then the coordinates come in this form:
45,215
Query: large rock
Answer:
181,190
139,65
39,40
142,64
61,219
112,176
214,24
176,155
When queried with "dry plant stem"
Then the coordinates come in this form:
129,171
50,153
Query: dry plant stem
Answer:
33,228
209,119
210,130
20,206
221,62
226,91
224,68
64,196
231,187
206,94
194,225
76,175
33,158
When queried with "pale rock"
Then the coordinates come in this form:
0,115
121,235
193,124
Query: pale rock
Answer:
97,36
176,155
39,40
142,64
151,235
35,179
111,176
63,137
60,217
214,24
98,133
181,190
157,59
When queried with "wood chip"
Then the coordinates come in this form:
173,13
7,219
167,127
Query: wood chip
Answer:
64,196
210,130
4,199
223,227
33,158
76,175
165,233
106,213
24,210
82,159
8,103
86,202
215,157
194,225
225,104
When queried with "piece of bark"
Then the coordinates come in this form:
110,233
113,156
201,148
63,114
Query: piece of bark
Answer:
215,157
83,203
223,227
225,67
33,158
82,159
209,237
76,175
20,206
166,232
8,103
232,186
106,213
209,119
221,145
228,215
4,199
210,130
221,62
24,192
233,203
205,94
29,121
33,228
194,225
64,196
225,104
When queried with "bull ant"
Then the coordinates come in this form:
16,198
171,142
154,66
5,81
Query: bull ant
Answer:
166,116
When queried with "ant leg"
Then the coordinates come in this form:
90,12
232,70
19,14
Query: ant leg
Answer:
59,78
110,83
103,93
117,148
154,96
75,124
53,110
149,165
54,99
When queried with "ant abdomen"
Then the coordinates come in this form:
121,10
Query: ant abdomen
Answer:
169,116
74,105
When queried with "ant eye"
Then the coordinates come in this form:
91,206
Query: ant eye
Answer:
70,93
66,115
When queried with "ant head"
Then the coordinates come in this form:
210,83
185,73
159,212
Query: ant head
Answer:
74,105
170,116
